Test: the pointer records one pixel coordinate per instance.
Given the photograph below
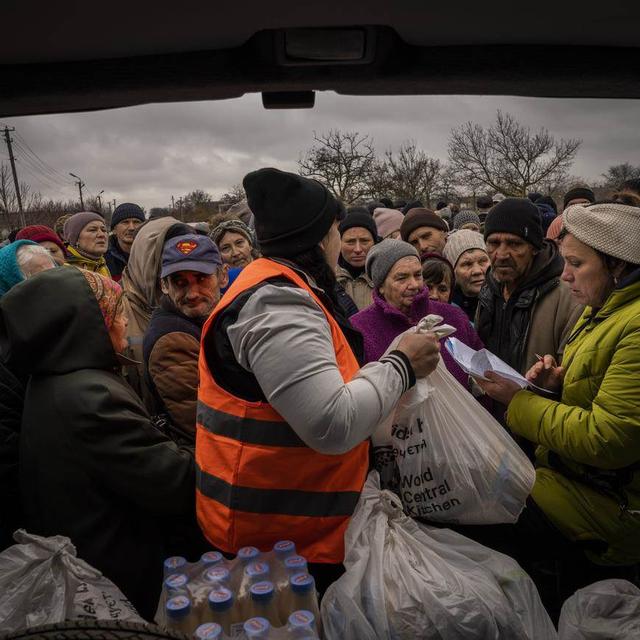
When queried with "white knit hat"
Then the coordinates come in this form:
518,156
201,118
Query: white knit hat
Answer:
460,241
611,228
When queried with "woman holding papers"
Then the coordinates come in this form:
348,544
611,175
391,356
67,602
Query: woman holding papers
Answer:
588,426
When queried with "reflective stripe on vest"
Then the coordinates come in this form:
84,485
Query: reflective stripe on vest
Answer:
257,482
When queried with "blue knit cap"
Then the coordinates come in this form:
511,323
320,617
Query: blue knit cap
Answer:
10,274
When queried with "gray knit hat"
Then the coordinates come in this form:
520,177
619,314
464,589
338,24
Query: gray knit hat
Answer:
234,226
466,217
384,255
460,241
611,228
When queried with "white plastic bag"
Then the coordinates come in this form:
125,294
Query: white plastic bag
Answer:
605,610
408,581
447,458
42,581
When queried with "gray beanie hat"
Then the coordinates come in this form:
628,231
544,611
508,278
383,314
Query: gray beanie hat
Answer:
611,228
466,217
384,255
460,241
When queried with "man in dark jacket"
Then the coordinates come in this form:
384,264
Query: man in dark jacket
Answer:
125,221
191,276
524,308
92,466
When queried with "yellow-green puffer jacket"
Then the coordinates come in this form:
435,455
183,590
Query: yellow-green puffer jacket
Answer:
588,476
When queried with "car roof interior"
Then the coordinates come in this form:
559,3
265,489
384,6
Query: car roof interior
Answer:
79,56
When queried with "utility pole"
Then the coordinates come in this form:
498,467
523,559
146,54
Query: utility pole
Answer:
114,204
7,139
80,185
99,199
173,204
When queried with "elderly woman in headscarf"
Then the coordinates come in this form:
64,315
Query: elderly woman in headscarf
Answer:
88,241
92,466
20,260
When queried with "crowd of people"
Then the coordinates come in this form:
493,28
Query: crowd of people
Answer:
168,388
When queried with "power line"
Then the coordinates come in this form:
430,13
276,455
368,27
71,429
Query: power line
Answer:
39,166
43,162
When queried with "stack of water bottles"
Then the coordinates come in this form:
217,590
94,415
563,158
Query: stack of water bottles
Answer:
256,595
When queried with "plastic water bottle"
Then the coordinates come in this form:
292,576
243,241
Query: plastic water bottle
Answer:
256,572
248,554
283,549
174,564
295,564
211,558
258,628
221,608
302,624
208,631
219,576
262,602
176,584
178,614
302,594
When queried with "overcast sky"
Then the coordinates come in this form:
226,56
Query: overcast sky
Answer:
146,154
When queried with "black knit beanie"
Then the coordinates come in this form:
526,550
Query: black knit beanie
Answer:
125,211
359,219
292,213
577,193
518,216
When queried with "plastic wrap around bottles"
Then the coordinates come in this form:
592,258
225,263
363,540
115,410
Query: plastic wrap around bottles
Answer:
255,595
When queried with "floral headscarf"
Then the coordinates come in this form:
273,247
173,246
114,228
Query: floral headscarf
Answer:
108,294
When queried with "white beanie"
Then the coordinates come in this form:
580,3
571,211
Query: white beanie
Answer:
460,241
612,228
387,220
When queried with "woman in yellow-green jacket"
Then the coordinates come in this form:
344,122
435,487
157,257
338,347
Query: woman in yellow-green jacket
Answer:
588,458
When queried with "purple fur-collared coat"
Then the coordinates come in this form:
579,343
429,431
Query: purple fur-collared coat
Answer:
380,323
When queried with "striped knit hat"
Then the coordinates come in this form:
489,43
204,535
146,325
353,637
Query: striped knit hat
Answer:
611,228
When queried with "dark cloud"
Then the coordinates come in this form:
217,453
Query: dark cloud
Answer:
146,154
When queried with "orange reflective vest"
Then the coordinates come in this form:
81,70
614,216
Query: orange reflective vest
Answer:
257,482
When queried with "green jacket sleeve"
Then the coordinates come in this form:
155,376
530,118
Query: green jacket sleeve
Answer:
607,434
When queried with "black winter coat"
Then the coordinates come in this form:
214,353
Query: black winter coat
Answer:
92,466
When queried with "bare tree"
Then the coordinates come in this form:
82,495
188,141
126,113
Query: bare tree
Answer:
509,157
233,196
619,173
342,161
413,174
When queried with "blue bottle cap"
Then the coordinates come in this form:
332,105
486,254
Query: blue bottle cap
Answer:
211,557
247,554
302,583
302,620
208,631
178,607
174,564
295,564
257,570
257,627
176,581
220,599
262,591
217,574
284,548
